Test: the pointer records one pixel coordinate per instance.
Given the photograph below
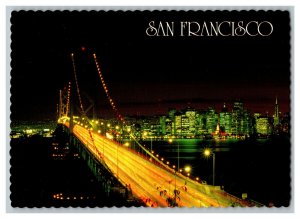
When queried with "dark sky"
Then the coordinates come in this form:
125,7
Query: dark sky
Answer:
146,75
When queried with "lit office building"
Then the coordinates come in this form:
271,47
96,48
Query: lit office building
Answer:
162,122
191,115
225,120
211,120
237,115
185,125
263,126
170,123
200,123
247,123
168,126
177,122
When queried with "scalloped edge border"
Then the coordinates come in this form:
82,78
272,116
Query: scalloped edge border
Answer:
140,9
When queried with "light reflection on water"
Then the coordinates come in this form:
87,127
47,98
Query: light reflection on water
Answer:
190,152
192,145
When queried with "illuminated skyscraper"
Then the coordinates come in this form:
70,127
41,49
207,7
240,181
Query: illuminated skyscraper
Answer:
247,123
201,123
177,124
191,115
211,120
237,115
171,122
185,125
263,126
167,123
169,126
162,121
225,120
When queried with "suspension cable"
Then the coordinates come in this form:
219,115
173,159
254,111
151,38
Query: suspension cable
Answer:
80,100
111,102
77,86
68,99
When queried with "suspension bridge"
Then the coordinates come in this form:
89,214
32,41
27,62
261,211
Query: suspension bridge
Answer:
148,178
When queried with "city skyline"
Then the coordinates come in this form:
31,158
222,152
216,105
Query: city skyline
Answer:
188,122
218,106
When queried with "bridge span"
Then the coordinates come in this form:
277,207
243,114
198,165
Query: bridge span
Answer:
155,184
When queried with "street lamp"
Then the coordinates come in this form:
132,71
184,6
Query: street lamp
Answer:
207,153
187,169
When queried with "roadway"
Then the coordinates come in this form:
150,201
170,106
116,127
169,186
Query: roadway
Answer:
154,184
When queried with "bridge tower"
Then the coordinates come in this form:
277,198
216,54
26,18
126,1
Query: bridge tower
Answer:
70,108
64,101
65,107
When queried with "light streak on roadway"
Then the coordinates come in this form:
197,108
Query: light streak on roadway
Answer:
148,181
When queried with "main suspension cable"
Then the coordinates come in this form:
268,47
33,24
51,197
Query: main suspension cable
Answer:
111,102
80,100
68,99
77,86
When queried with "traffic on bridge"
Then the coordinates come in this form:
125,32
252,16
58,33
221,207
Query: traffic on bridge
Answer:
157,185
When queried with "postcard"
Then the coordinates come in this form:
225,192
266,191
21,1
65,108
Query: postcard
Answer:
160,109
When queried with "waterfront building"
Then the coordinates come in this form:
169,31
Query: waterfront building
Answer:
185,125
191,115
247,123
200,123
211,120
162,122
168,126
237,116
225,120
263,125
177,124
170,122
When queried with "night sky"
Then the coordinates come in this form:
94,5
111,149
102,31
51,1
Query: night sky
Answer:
146,75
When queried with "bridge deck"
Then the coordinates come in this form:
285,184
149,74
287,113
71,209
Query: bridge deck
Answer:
152,183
